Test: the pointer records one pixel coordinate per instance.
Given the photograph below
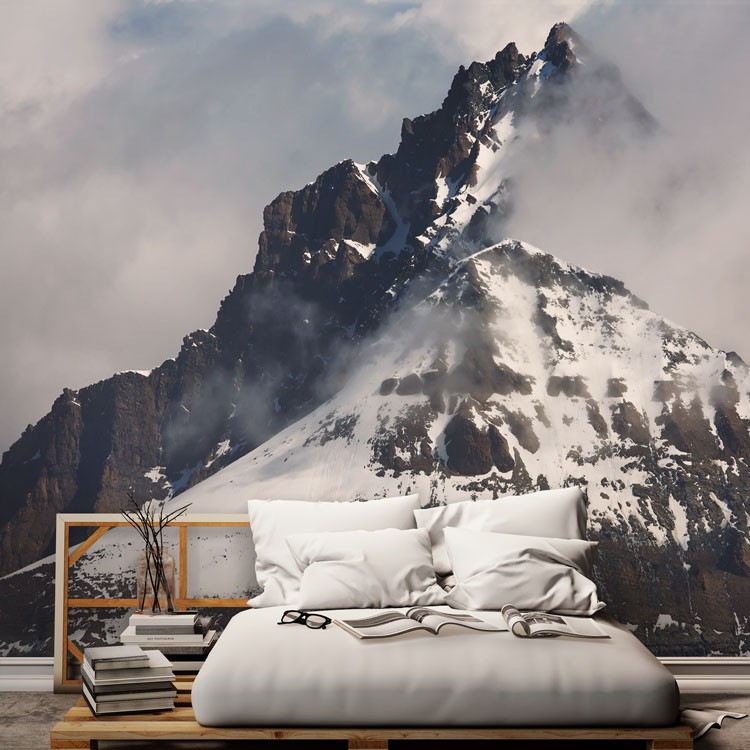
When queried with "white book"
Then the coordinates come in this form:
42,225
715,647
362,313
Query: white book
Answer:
159,669
144,694
103,658
127,706
130,636
162,618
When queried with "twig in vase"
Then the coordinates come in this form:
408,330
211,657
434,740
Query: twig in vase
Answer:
151,528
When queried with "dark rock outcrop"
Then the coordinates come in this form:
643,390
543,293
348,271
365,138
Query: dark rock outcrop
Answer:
467,446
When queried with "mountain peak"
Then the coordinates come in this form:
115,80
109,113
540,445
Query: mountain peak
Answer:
559,49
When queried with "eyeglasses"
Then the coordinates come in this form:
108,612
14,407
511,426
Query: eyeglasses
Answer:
310,619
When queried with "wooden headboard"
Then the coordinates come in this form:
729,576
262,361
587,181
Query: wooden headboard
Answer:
102,523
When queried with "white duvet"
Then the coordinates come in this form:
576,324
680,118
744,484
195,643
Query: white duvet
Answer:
261,673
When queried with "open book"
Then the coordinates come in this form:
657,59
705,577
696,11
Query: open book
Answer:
389,624
546,625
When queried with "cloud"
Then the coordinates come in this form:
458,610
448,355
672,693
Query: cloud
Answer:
667,216
141,140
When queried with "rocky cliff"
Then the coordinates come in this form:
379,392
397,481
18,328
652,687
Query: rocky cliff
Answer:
331,259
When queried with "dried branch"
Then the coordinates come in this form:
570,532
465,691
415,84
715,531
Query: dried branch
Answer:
150,528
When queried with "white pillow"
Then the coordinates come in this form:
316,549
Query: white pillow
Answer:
272,521
345,569
559,513
529,572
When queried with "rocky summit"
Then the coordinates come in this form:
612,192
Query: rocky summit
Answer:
386,341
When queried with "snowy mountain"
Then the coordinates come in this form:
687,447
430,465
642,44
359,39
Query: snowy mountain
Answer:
386,342
520,372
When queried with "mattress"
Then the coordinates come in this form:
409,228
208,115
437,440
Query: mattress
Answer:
262,674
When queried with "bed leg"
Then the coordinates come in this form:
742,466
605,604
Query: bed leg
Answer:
368,744
669,745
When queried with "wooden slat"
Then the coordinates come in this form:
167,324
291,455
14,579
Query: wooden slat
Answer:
148,728
70,745
102,603
73,649
83,713
228,603
174,523
182,572
179,603
64,614
86,545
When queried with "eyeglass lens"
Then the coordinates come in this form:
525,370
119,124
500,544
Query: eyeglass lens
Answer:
292,615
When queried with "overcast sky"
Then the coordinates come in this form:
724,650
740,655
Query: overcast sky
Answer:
140,141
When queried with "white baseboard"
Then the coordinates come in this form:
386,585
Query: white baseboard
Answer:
710,674
26,673
705,674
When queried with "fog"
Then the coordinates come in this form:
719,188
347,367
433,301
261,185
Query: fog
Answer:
668,214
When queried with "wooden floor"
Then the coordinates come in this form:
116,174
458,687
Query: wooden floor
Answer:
81,730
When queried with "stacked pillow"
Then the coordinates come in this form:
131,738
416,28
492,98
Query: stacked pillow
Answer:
528,550
384,568
272,521
549,513
530,572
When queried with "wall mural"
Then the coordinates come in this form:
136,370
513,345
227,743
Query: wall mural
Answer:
390,339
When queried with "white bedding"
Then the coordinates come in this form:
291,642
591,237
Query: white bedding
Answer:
261,673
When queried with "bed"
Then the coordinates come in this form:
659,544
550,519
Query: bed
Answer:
268,681
262,674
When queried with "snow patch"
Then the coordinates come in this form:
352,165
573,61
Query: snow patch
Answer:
156,474
680,533
724,508
665,621
364,250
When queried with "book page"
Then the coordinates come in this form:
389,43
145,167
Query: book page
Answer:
382,625
543,624
546,624
437,620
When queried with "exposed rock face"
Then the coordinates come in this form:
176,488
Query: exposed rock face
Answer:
468,449
306,232
489,368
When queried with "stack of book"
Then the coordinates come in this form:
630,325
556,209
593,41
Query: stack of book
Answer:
183,637
121,679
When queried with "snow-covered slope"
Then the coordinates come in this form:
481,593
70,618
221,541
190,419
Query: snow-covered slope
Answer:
520,372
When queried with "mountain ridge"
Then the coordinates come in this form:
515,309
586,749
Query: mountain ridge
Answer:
252,372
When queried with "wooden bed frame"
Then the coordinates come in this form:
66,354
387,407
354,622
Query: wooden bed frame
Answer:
82,730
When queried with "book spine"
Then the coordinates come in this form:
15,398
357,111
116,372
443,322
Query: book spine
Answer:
163,638
182,618
149,630
107,666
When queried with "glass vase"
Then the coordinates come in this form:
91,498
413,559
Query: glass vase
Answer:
154,574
